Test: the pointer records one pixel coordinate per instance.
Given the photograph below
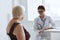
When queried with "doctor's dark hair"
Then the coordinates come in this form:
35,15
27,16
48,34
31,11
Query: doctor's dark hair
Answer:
41,7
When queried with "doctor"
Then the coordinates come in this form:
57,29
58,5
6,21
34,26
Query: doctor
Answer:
42,23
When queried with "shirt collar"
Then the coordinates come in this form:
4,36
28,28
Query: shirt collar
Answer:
44,17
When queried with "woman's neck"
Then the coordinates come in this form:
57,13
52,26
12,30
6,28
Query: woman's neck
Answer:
42,16
16,20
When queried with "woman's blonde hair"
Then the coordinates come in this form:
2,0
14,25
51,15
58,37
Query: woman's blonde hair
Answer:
17,11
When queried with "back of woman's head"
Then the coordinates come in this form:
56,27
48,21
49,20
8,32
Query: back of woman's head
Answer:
17,11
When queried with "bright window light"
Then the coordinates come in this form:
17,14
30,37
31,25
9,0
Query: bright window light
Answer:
53,8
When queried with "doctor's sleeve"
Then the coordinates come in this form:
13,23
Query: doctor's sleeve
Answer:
52,22
36,29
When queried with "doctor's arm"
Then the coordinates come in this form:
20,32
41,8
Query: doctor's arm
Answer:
36,28
52,24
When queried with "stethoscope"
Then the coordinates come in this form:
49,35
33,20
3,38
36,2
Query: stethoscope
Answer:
41,26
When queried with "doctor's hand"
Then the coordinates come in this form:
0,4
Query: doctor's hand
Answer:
46,28
42,31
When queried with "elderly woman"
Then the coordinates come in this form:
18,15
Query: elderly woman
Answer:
15,30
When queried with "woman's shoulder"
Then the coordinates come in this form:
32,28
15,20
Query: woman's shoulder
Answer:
19,27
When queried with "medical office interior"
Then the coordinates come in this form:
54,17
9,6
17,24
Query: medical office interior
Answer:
52,10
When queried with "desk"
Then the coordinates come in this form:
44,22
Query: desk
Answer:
53,34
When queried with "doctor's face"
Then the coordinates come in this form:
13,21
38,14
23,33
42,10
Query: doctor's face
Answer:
41,12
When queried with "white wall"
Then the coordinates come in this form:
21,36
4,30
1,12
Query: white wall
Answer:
5,7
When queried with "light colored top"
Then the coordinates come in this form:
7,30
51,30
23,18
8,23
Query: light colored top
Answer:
39,24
